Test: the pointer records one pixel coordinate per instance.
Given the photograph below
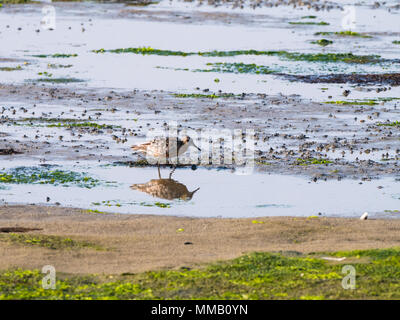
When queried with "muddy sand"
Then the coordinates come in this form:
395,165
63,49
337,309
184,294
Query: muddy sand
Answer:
287,128
318,120
136,243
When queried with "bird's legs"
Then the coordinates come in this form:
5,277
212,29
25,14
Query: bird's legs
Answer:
159,173
173,170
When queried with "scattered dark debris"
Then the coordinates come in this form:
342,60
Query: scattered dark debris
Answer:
8,151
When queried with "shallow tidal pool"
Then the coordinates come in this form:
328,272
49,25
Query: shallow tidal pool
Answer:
206,193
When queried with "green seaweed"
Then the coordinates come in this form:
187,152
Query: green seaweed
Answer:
322,42
17,68
354,102
146,51
236,67
45,73
321,23
295,56
198,95
50,120
62,123
46,175
116,203
59,80
323,33
58,66
155,204
82,125
343,34
263,163
352,34
368,102
390,124
262,275
55,55
385,99
310,161
47,241
95,211
141,3
333,57
108,203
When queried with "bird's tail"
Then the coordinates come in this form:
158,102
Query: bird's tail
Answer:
140,147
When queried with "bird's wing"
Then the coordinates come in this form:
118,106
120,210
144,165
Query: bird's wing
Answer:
141,147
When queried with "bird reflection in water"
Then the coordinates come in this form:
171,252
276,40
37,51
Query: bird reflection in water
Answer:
165,189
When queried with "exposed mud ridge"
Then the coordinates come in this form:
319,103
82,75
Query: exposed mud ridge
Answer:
17,229
193,17
314,4
9,151
392,79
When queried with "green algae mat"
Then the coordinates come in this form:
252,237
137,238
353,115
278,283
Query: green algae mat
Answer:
286,275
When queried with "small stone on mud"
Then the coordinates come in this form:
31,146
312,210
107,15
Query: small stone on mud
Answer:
364,216
346,92
186,268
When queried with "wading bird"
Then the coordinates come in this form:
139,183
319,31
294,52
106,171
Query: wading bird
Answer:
165,149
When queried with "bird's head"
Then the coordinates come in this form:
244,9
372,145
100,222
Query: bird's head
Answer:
186,139
189,141
189,195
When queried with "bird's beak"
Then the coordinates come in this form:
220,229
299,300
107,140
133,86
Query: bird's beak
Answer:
193,192
192,143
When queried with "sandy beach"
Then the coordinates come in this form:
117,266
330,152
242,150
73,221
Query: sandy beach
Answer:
137,243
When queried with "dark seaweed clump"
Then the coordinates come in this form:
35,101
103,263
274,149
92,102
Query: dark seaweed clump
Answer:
237,67
392,79
56,55
322,42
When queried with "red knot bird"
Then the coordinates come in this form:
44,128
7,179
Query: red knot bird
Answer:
164,149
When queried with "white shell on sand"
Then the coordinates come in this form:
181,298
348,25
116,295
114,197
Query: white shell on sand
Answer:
364,216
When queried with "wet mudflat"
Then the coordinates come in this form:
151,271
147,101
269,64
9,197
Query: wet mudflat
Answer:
325,113
322,100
